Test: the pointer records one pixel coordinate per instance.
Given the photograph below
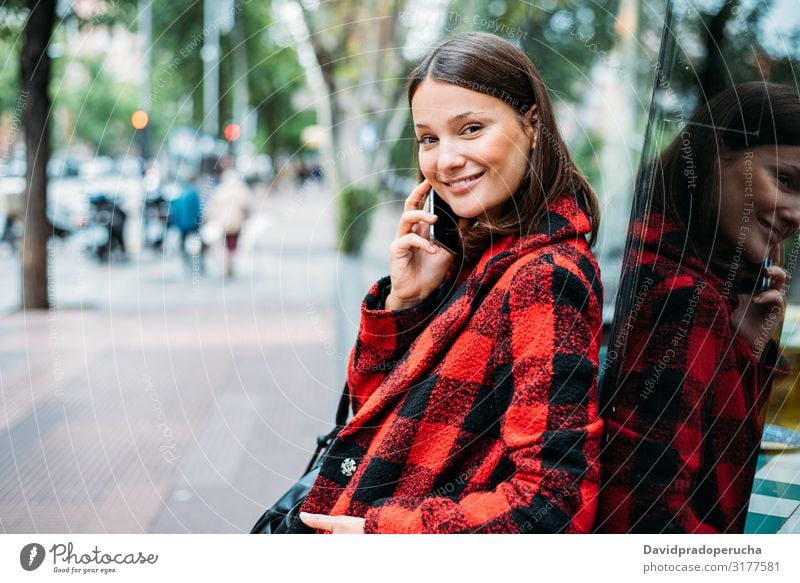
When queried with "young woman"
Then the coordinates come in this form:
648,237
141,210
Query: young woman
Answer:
682,422
473,379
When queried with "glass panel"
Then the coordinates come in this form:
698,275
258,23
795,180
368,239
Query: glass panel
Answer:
693,351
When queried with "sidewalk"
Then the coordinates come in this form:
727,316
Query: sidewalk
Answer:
155,400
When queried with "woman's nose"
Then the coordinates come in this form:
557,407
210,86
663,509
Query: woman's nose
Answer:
449,157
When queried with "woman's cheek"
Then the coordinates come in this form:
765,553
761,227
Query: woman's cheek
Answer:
425,165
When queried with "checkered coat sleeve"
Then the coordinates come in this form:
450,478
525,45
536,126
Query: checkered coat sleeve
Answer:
384,337
477,411
682,427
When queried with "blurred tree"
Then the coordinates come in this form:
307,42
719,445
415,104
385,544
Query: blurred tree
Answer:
565,38
9,65
731,38
34,83
177,68
358,79
10,102
271,72
358,48
273,76
99,110
28,27
38,18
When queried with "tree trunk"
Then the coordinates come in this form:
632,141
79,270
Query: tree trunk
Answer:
714,76
35,78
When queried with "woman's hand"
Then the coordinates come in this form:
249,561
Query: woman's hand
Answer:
417,266
334,524
756,318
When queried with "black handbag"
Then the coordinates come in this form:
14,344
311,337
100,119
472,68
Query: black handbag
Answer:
279,517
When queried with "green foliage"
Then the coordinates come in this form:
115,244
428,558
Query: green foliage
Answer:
97,112
585,154
177,69
355,216
563,37
274,77
273,73
404,155
9,69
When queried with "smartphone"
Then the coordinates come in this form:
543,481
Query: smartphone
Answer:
444,232
753,279
764,281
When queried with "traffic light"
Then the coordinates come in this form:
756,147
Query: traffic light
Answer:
139,119
232,132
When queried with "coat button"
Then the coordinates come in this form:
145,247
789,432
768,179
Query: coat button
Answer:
349,467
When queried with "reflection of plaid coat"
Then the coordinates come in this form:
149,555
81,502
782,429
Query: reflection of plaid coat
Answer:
681,440
482,418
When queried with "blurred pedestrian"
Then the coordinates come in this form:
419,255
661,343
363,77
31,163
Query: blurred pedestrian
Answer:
13,206
107,225
186,215
227,212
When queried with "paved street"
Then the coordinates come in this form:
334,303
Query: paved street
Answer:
156,400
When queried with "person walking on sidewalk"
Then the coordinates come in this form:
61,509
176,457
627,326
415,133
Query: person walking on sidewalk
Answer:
186,215
13,206
227,212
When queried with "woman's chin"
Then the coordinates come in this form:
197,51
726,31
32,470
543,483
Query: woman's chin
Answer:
475,212
756,253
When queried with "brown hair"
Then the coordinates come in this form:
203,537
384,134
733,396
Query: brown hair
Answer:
489,64
687,174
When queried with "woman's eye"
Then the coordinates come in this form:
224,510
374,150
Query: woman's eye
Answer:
472,128
426,140
786,181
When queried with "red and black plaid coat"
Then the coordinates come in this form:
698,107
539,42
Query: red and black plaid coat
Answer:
478,415
682,426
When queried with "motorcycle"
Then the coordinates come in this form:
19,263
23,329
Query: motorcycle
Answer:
156,221
104,233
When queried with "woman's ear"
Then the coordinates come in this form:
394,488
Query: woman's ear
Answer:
531,124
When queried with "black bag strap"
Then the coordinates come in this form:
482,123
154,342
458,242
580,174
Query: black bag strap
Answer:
324,440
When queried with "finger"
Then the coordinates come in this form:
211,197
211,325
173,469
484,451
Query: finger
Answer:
320,521
422,229
772,296
778,275
412,240
414,200
411,218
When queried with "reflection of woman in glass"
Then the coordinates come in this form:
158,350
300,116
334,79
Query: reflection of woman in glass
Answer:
682,412
474,383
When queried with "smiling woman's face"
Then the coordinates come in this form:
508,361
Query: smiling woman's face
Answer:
760,204
473,148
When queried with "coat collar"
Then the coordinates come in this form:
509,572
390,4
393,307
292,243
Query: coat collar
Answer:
564,220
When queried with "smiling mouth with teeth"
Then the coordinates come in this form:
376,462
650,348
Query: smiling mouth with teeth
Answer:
464,181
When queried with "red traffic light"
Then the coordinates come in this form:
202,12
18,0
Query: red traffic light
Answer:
139,119
232,132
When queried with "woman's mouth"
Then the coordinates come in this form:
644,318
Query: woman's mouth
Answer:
465,183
